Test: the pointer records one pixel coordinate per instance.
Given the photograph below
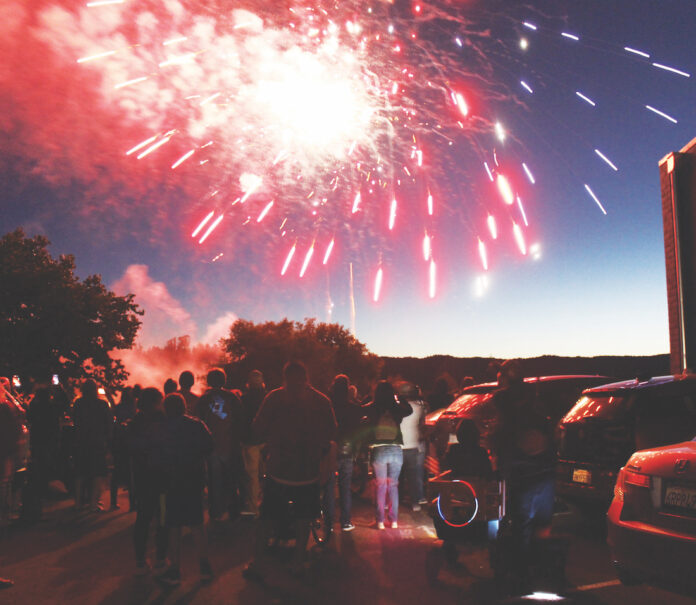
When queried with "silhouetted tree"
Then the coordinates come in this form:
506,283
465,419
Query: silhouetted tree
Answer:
51,322
326,350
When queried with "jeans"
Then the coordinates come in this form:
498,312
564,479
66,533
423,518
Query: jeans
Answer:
345,495
414,460
531,507
387,461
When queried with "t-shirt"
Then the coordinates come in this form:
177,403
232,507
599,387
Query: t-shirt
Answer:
412,425
191,400
221,411
297,428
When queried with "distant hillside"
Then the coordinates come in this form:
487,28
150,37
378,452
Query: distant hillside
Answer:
425,371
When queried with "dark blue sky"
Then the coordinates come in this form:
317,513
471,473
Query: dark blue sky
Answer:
597,286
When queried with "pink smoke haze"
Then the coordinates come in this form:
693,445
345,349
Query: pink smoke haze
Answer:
169,341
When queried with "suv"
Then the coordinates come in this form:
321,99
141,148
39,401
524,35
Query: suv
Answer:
555,396
609,423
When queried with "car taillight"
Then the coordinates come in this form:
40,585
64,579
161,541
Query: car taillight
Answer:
619,487
637,479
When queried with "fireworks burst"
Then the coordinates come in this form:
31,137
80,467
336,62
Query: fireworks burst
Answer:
351,126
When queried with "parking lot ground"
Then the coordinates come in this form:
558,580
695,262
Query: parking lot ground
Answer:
88,558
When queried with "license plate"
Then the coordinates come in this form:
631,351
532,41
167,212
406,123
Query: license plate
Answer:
581,475
681,497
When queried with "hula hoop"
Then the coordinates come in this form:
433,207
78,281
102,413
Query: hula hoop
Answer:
476,506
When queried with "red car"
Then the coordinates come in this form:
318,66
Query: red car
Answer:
652,518
555,396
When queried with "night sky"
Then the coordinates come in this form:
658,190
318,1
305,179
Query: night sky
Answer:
595,283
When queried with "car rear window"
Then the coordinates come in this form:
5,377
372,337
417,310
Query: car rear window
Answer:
608,406
661,419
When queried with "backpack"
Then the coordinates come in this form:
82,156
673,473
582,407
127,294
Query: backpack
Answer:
387,428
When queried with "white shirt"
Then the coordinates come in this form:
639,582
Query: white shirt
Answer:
410,425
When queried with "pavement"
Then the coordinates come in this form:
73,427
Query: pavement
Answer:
77,558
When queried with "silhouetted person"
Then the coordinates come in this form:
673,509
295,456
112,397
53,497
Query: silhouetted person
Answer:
414,445
251,444
523,443
298,425
221,411
169,386
465,459
43,417
440,397
124,413
349,414
186,381
10,435
187,443
145,441
385,414
93,425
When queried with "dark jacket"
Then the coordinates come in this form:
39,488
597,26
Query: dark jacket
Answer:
298,427
44,422
145,438
93,423
187,443
468,461
349,417
10,432
523,439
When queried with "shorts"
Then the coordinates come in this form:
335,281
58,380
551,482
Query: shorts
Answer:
281,501
184,507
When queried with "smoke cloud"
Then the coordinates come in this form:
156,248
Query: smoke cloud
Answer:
165,317
168,342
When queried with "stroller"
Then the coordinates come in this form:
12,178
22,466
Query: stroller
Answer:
464,510
472,510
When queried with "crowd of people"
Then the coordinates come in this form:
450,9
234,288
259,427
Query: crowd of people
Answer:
281,457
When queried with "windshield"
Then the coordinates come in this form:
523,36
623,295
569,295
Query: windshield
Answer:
469,404
602,405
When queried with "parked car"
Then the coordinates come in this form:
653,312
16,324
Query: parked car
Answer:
652,518
609,423
555,396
